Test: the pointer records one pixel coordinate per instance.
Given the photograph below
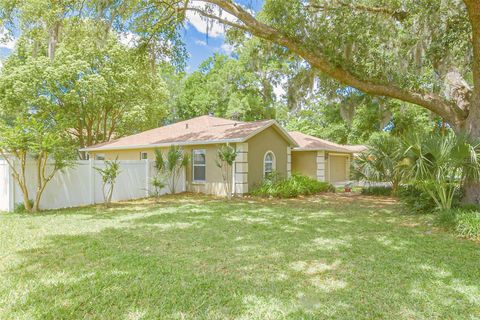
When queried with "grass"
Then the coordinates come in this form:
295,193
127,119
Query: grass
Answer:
194,257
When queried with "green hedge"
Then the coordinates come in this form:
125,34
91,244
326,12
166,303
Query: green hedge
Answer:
292,187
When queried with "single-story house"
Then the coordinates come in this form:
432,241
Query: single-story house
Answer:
262,146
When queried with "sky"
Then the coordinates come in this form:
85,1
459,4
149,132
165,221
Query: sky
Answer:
198,44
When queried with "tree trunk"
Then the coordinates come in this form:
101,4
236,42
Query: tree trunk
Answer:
472,124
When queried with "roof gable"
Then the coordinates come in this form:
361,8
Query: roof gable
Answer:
307,142
200,130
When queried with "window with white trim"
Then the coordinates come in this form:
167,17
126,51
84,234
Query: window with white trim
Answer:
143,155
100,156
268,163
199,165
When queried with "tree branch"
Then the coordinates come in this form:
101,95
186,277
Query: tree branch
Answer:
398,15
430,101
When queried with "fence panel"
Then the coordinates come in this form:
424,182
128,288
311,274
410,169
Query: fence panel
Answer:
82,184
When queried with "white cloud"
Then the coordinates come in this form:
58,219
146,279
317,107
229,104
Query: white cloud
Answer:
128,39
227,48
202,24
7,41
201,42
279,91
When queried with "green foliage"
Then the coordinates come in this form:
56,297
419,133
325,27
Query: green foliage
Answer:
20,207
377,191
380,162
441,164
32,128
92,82
225,87
171,164
416,200
158,184
356,119
294,186
464,222
109,176
226,156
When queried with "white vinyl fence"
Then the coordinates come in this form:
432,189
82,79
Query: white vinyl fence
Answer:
82,185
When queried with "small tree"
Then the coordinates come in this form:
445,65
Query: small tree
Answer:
172,164
109,176
226,156
158,180
38,139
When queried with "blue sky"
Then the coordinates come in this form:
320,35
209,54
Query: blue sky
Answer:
199,45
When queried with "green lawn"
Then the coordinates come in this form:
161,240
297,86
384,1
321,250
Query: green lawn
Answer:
193,257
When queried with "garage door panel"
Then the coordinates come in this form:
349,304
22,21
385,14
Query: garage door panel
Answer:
338,168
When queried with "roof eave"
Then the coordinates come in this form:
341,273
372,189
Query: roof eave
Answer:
160,145
322,149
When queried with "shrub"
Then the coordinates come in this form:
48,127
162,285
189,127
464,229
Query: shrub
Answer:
468,224
292,187
20,207
377,191
416,200
464,222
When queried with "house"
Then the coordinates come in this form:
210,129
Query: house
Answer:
262,146
321,159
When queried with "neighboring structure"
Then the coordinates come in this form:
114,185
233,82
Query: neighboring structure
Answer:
322,159
262,146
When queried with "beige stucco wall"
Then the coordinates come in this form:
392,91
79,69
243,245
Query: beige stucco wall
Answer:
267,140
213,174
305,163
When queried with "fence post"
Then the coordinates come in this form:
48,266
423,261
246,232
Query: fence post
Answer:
91,179
11,188
147,177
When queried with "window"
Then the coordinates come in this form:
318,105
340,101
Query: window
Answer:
100,156
143,156
199,166
268,163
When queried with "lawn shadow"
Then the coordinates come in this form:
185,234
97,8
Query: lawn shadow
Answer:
314,258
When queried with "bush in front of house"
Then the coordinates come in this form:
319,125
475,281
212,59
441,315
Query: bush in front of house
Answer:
463,221
377,191
416,200
295,186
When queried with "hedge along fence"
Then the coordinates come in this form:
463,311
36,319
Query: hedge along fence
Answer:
82,185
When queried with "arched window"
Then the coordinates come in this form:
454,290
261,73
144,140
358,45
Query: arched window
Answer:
268,163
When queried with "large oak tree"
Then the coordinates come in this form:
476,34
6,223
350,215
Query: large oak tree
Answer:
423,52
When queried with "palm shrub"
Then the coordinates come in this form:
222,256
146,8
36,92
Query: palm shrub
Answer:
171,164
379,163
440,165
226,156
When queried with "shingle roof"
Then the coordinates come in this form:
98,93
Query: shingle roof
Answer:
200,130
307,142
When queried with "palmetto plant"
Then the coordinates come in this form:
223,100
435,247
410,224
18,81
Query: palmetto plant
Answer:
380,162
441,164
